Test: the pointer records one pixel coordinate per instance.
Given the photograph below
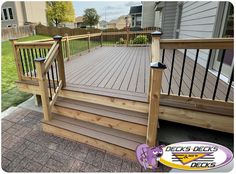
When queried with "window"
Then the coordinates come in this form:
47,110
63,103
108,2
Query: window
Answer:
10,13
7,14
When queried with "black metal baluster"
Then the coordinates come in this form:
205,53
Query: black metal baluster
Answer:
218,76
171,72
22,63
194,70
207,66
45,52
230,83
40,53
49,83
30,63
163,55
182,72
26,63
36,54
54,86
32,54
55,62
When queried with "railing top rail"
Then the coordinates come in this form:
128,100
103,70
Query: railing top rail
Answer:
209,43
51,55
130,32
34,43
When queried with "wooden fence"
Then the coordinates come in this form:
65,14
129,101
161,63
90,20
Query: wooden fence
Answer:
17,32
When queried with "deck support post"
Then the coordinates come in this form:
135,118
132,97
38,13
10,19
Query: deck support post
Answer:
67,47
88,41
101,39
154,101
60,60
43,86
17,59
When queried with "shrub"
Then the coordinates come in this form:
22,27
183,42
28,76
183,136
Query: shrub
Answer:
121,41
140,39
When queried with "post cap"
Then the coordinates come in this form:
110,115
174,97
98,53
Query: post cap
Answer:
158,65
57,37
40,59
156,33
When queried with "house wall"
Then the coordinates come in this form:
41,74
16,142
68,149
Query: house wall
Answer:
35,12
198,21
168,19
13,21
148,14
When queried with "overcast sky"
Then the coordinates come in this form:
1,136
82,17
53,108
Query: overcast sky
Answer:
106,9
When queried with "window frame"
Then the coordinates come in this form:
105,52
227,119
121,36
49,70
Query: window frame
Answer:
8,14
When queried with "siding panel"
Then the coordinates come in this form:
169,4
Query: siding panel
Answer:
169,19
198,21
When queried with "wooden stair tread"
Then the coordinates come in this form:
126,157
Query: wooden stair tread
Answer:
116,137
130,116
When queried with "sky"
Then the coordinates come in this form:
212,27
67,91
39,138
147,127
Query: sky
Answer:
106,9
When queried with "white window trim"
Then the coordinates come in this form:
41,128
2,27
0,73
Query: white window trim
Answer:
8,15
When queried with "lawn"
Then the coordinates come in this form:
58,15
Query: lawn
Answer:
11,96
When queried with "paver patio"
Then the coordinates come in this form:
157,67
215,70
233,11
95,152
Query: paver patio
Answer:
25,148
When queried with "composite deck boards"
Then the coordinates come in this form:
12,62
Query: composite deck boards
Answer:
124,72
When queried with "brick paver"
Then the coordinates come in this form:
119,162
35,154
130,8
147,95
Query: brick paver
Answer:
25,148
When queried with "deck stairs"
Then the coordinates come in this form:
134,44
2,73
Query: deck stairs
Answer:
111,128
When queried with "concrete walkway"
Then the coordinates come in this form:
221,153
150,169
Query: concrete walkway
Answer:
25,148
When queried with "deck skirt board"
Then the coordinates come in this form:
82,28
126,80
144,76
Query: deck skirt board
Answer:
120,138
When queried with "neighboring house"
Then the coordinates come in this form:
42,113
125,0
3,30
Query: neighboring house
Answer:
79,22
19,13
136,16
102,25
119,23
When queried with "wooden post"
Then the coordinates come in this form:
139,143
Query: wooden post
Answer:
41,75
127,38
155,54
67,47
88,42
17,59
155,51
154,100
60,60
37,100
101,39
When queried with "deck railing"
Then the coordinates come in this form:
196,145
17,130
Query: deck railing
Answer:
173,95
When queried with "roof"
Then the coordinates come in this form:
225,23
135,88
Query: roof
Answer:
79,19
135,9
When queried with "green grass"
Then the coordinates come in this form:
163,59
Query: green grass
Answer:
11,96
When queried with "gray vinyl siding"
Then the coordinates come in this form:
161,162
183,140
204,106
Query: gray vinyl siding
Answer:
148,14
198,21
168,25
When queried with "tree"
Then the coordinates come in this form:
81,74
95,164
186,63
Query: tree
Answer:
90,17
60,11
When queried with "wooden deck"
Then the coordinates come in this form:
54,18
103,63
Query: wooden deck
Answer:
124,72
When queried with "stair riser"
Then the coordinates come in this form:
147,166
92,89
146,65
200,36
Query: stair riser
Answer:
102,120
111,148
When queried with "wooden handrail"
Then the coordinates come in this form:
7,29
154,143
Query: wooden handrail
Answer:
49,44
51,55
212,43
